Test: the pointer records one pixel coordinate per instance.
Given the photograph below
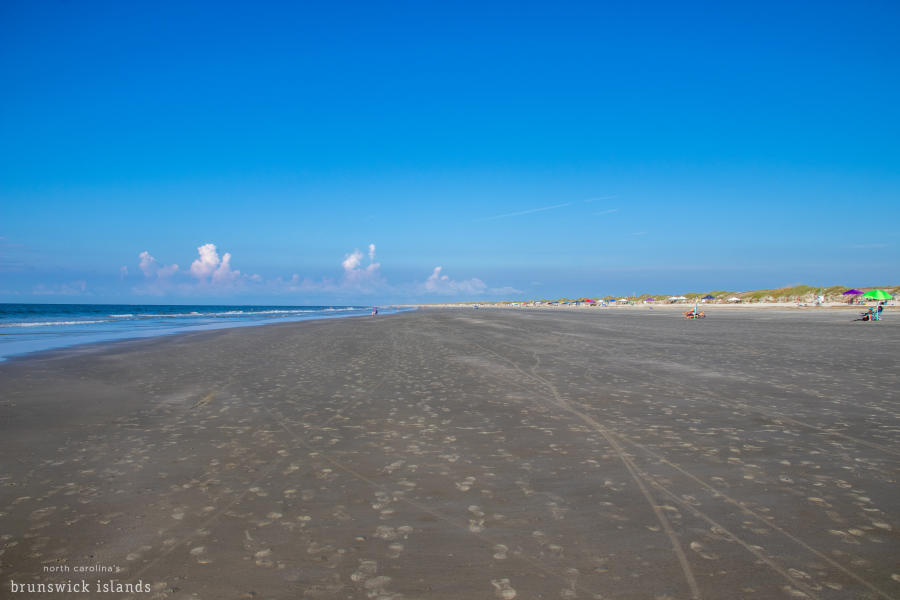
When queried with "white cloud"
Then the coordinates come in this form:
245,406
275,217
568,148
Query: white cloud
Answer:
147,264
150,267
443,285
357,276
210,268
506,291
527,212
868,246
123,272
73,288
352,260
210,272
166,271
202,267
224,273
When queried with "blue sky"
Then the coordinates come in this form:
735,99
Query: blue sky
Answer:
521,149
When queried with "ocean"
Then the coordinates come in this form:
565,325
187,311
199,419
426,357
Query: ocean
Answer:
26,328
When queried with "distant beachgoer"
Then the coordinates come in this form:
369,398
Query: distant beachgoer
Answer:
374,310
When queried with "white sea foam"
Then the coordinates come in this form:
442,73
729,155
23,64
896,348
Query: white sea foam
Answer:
48,323
265,312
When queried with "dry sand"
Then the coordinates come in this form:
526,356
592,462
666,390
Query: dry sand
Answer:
464,454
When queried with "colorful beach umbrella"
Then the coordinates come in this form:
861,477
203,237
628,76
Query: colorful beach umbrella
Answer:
851,293
877,295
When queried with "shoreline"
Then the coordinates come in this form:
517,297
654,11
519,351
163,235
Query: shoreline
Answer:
100,346
99,340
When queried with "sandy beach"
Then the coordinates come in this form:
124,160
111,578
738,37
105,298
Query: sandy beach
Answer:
461,454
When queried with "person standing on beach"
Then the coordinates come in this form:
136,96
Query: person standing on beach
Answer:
374,310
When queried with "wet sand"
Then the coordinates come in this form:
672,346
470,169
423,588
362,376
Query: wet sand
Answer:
464,454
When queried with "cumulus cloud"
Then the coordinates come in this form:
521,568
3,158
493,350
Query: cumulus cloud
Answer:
212,272
359,276
352,261
150,267
505,291
166,271
209,273
356,277
147,264
204,266
210,268
443,285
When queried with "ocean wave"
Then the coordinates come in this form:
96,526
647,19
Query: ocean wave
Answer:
212,315
264,312
48,323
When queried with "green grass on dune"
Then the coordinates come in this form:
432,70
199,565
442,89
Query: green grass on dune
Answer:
803,292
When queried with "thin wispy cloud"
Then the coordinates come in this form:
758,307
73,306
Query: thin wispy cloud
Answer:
607,211
73,288
599,198
639,233
868,246
526,212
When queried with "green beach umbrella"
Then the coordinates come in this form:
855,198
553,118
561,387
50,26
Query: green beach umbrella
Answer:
877,295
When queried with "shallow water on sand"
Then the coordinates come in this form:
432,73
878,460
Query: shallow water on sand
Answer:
28,328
